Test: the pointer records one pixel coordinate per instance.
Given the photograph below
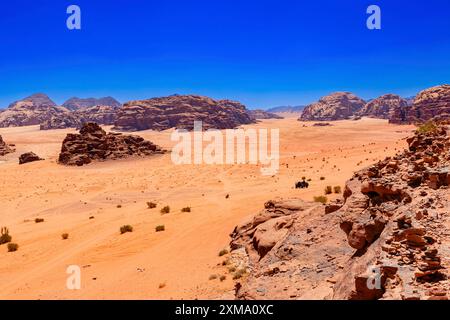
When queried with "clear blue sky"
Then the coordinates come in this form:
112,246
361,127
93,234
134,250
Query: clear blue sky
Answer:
262,53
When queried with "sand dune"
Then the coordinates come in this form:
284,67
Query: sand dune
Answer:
135,265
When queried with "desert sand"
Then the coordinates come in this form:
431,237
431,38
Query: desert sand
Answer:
145,264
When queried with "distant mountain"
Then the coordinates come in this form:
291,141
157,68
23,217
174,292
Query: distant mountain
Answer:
290,109
261,114
77,103
32,110
410,100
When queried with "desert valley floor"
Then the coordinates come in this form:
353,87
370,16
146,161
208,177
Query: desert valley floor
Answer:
144,264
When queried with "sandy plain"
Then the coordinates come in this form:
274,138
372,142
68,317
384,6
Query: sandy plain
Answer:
144,264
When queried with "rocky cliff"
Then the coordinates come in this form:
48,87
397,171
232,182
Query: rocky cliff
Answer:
388,238
383,107
180,111
430,104
103,115
336,106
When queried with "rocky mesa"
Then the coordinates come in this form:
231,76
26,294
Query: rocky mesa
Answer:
94,144
259,114
78,103
336,106
180,111
386,239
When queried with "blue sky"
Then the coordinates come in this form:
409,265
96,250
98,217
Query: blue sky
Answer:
262,53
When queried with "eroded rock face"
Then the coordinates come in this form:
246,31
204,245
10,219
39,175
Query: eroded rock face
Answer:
394,218
336,106
430,104
383,107
29,157
77,103
102,115
94,144
180,111
261,114
4,148
33,110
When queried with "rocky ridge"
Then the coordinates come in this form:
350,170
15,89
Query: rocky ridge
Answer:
94,144
180,111
386,239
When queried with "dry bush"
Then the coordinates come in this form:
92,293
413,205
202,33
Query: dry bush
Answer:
321,199
160,228
12,247
151,205
165,210
126,228
5,237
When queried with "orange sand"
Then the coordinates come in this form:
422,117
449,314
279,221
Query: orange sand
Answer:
133,265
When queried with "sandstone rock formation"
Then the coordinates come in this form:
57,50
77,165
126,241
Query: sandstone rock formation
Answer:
258,114
103,115
430,104
94,144
336,106
77,103
33,110
383,107
29,157
180,111
4,148
394,240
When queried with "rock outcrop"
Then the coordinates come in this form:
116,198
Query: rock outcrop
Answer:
392,243
77,103
336,106
286,109
94,144
383,107
180,111
259,114
430,104
29,157
4,148
33,110
102,115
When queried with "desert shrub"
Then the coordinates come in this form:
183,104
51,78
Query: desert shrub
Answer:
65,236
337,189
38,220
165,210
239,274
223,252
160,228
321,199
426,127
12,247
151,205
186,209
231,269
322,178
222,278
213,277
5,237
162,285
119,206
328,190
126,228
